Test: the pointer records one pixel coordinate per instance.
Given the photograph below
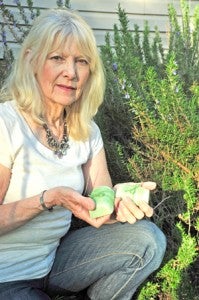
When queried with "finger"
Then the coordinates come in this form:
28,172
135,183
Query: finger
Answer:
86,202
147,209
132,208
120,217
84,215
150,185
117,202
126,214
149,212
97,222
77,208
70,199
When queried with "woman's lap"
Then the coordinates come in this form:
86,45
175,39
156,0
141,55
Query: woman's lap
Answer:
110,253
111,262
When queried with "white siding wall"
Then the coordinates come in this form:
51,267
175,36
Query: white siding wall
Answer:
102,15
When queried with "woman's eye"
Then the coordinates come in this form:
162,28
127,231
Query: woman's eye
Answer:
82,61
57,58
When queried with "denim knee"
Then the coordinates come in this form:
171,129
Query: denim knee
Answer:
156,242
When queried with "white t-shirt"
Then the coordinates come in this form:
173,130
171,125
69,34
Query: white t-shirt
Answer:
28,252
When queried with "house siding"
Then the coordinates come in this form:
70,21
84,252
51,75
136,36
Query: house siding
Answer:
101,15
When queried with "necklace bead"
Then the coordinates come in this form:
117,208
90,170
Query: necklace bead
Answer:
59,148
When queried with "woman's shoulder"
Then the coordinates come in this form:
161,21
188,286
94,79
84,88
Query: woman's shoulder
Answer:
7,108
96,141
94,128
8,113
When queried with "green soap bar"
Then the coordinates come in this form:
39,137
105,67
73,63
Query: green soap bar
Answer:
104,200
135,192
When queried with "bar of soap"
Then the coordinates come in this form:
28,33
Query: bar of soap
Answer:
104,198
136,192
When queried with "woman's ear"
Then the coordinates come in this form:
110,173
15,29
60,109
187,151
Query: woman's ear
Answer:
28,54
29,60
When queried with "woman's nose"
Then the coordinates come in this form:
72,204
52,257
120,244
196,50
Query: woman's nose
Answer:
69,69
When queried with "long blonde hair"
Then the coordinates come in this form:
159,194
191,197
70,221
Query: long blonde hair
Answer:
57,25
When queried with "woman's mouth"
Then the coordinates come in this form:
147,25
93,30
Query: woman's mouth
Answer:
66,87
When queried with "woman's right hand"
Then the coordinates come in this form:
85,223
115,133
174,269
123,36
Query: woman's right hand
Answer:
72,200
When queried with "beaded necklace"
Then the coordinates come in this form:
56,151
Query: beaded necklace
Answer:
59,148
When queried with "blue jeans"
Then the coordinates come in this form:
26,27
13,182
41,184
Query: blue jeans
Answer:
111,262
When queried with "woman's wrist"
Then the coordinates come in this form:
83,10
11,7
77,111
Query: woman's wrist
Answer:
43,203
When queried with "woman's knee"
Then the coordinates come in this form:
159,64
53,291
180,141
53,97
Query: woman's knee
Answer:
155,242
146,241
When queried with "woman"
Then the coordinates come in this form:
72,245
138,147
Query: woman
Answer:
51,158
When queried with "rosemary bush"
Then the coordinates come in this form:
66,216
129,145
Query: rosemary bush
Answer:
150,125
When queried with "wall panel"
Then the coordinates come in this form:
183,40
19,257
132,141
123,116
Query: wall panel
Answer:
102,15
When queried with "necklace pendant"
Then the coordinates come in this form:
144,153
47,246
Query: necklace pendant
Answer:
59,148
64,151
59,154
61,151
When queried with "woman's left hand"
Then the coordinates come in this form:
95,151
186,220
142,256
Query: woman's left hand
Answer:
127,211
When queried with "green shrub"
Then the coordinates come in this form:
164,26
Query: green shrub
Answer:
149,121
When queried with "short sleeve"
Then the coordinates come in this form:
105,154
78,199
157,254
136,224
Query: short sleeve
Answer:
96,142
5,145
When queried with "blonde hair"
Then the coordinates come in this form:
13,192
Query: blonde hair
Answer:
51,28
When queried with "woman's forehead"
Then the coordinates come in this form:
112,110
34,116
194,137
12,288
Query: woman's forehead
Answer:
69,44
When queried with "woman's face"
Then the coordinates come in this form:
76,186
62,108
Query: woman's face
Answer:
64,75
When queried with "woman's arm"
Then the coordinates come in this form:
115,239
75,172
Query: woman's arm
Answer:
5,175
15,214
96,172
18,213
